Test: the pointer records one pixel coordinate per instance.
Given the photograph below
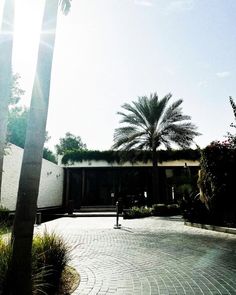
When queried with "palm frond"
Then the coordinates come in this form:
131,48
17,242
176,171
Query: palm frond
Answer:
174,113
133,110
180,134
158,109
65,6
131,119
126,137
233,105
150,122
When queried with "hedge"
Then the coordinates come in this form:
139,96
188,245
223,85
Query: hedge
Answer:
217,182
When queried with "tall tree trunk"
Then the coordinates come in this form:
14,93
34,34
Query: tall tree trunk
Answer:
26,207
155,177
6,42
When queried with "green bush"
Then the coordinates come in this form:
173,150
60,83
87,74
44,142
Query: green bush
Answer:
137,212
159,210
217,182
193,209
50,255
173,209
165,210
155,210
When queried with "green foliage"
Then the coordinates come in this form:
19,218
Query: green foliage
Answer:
217,181
17,123
16,91
173,209
137,212
49,155
155,210
17,116
5,256
50,255
165,210
193,209
150,122
70,143
132,156
159,209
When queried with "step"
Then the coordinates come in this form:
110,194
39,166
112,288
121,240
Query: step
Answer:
96,209
85,214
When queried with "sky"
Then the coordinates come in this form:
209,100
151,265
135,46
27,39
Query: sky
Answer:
109,52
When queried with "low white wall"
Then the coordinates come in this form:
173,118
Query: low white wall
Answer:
51,181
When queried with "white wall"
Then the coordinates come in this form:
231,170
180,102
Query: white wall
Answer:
51,181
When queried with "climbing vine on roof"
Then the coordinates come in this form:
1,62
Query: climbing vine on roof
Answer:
131,156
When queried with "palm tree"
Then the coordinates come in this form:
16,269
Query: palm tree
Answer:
6,41
150,123
26,207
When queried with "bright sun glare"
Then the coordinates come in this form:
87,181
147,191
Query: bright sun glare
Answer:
28,19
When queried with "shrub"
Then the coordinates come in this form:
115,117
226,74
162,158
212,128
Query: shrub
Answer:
155,210
173,209
194,210
165,210
159,210
136,212
217,182
50,256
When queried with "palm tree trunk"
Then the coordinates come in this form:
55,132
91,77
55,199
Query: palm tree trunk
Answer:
155,178
26,207
6,42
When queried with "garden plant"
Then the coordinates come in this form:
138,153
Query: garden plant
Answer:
50,257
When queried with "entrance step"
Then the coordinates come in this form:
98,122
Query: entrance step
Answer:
79,214
96,209
93,214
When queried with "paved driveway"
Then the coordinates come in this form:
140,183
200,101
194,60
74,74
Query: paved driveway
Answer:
148,256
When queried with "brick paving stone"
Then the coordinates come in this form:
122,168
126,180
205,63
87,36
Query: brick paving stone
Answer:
156,256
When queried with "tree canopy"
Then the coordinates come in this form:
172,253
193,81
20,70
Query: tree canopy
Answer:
17,123
151,122
69,143
17,120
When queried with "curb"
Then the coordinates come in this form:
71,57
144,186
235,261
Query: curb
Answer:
228,230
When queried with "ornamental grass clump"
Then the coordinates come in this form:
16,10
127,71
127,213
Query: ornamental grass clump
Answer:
50,256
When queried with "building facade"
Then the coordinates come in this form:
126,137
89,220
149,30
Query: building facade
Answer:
99,183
